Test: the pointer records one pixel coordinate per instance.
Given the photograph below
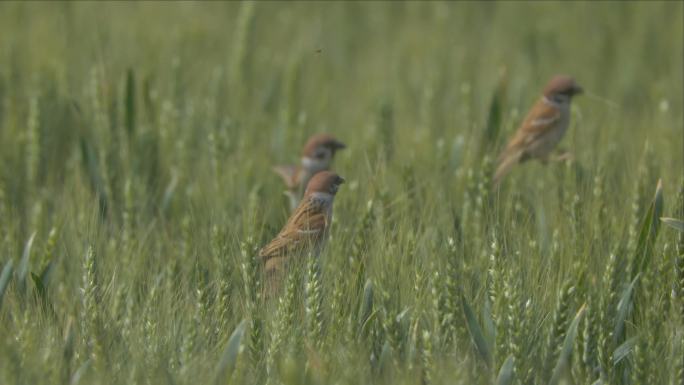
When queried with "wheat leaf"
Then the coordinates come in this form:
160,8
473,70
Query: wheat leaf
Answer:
5,277
562,368
229,358
676,224
476,333
505,376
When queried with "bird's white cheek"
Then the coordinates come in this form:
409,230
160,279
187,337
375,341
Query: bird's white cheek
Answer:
325,198
314,165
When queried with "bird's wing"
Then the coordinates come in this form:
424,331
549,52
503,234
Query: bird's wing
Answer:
305,227
289,173
541,119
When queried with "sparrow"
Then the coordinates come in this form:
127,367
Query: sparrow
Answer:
304,232
542,128
317,155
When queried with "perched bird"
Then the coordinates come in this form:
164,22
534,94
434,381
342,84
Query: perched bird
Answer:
305,231
317,156
543,126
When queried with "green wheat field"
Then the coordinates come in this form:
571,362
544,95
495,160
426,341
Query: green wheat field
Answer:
136,146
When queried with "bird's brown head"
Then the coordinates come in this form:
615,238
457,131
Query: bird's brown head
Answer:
322,147
324,182
562,85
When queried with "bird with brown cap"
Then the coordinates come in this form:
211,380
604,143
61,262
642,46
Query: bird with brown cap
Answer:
317,155
305,232
542,128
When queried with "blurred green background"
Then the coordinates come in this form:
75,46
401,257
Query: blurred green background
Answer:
145,132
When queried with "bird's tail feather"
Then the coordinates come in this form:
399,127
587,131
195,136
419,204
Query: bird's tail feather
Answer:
288,174
293,198
506,162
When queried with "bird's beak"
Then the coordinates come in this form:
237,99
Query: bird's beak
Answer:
341,180
337,145
577,90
